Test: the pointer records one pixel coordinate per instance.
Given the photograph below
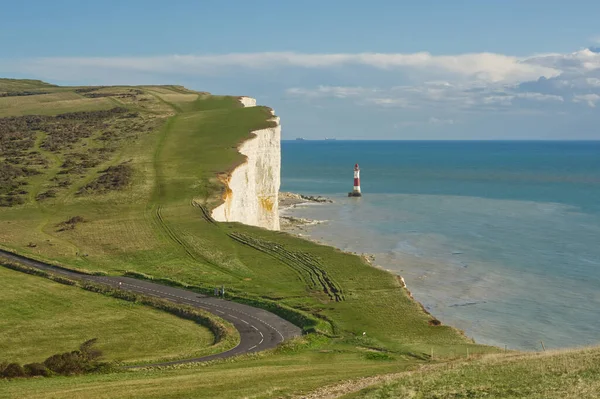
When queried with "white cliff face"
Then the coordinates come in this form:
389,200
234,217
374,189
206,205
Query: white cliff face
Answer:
248,101
253,188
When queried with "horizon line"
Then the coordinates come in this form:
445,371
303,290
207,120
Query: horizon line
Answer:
451,140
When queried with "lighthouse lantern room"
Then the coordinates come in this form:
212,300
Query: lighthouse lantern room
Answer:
356,191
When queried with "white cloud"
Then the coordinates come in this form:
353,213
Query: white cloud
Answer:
503,100
483,67
590,99
439,85
540,97
582,60
440,122
391,102
428,95
330,91
593,82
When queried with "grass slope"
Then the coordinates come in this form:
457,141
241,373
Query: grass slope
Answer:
315,373
39,318
265,375
562,375
175,146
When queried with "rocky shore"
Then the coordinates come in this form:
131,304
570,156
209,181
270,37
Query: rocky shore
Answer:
288,200
291,200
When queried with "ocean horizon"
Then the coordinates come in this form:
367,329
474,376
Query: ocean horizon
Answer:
496,238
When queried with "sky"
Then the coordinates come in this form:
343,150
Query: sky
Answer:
402,70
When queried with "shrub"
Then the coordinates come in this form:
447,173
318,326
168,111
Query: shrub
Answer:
84,360
113,178
36,369
65,363
76,362
70,223
378,356
46,194
88,352
13,370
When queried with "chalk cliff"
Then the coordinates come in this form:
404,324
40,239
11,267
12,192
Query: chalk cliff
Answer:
253,188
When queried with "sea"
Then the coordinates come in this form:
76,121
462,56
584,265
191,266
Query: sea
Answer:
500,239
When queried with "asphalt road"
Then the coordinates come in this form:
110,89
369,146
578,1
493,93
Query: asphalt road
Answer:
258,328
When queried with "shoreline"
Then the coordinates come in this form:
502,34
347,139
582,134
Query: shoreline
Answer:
292,225
480,297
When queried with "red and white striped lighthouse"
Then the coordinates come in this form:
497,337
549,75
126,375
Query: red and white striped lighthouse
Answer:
356,191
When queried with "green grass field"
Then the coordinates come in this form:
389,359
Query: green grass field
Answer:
39,318
170,145
316,372
569,374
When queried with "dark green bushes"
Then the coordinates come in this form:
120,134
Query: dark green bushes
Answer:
12,370
36,369
114,178
70,224
22,93
82,361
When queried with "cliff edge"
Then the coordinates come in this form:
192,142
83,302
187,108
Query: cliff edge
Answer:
253,188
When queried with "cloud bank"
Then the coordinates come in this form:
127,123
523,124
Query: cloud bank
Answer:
417,89
485,67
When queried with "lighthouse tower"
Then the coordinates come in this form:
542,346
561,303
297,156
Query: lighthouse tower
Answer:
356,191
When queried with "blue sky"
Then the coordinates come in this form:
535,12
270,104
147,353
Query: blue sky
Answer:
478,69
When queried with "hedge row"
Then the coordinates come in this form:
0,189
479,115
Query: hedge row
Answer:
36,272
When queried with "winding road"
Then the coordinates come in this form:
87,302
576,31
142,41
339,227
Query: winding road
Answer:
259,329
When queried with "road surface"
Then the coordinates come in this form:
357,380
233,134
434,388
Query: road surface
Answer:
258,328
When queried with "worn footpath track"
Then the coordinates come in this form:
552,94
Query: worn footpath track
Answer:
259,329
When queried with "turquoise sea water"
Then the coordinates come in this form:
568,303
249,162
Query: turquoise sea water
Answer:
500,239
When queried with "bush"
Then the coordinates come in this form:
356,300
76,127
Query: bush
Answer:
13,370
65,363
84,360
113,178
76,362
46,194
88,352
378,356
36,369
70,224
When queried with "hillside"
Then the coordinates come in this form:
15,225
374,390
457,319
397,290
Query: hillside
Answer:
41,318
558,374
122,180
127,171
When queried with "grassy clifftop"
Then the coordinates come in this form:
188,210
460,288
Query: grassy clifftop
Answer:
113,188
119,179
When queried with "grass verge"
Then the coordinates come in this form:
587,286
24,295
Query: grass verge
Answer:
562,374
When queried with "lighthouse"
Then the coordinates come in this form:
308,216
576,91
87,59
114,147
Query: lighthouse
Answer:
356,191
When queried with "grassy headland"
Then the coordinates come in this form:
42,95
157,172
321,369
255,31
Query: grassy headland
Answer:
130,176
123,184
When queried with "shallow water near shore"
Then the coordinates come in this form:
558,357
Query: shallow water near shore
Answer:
501,240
